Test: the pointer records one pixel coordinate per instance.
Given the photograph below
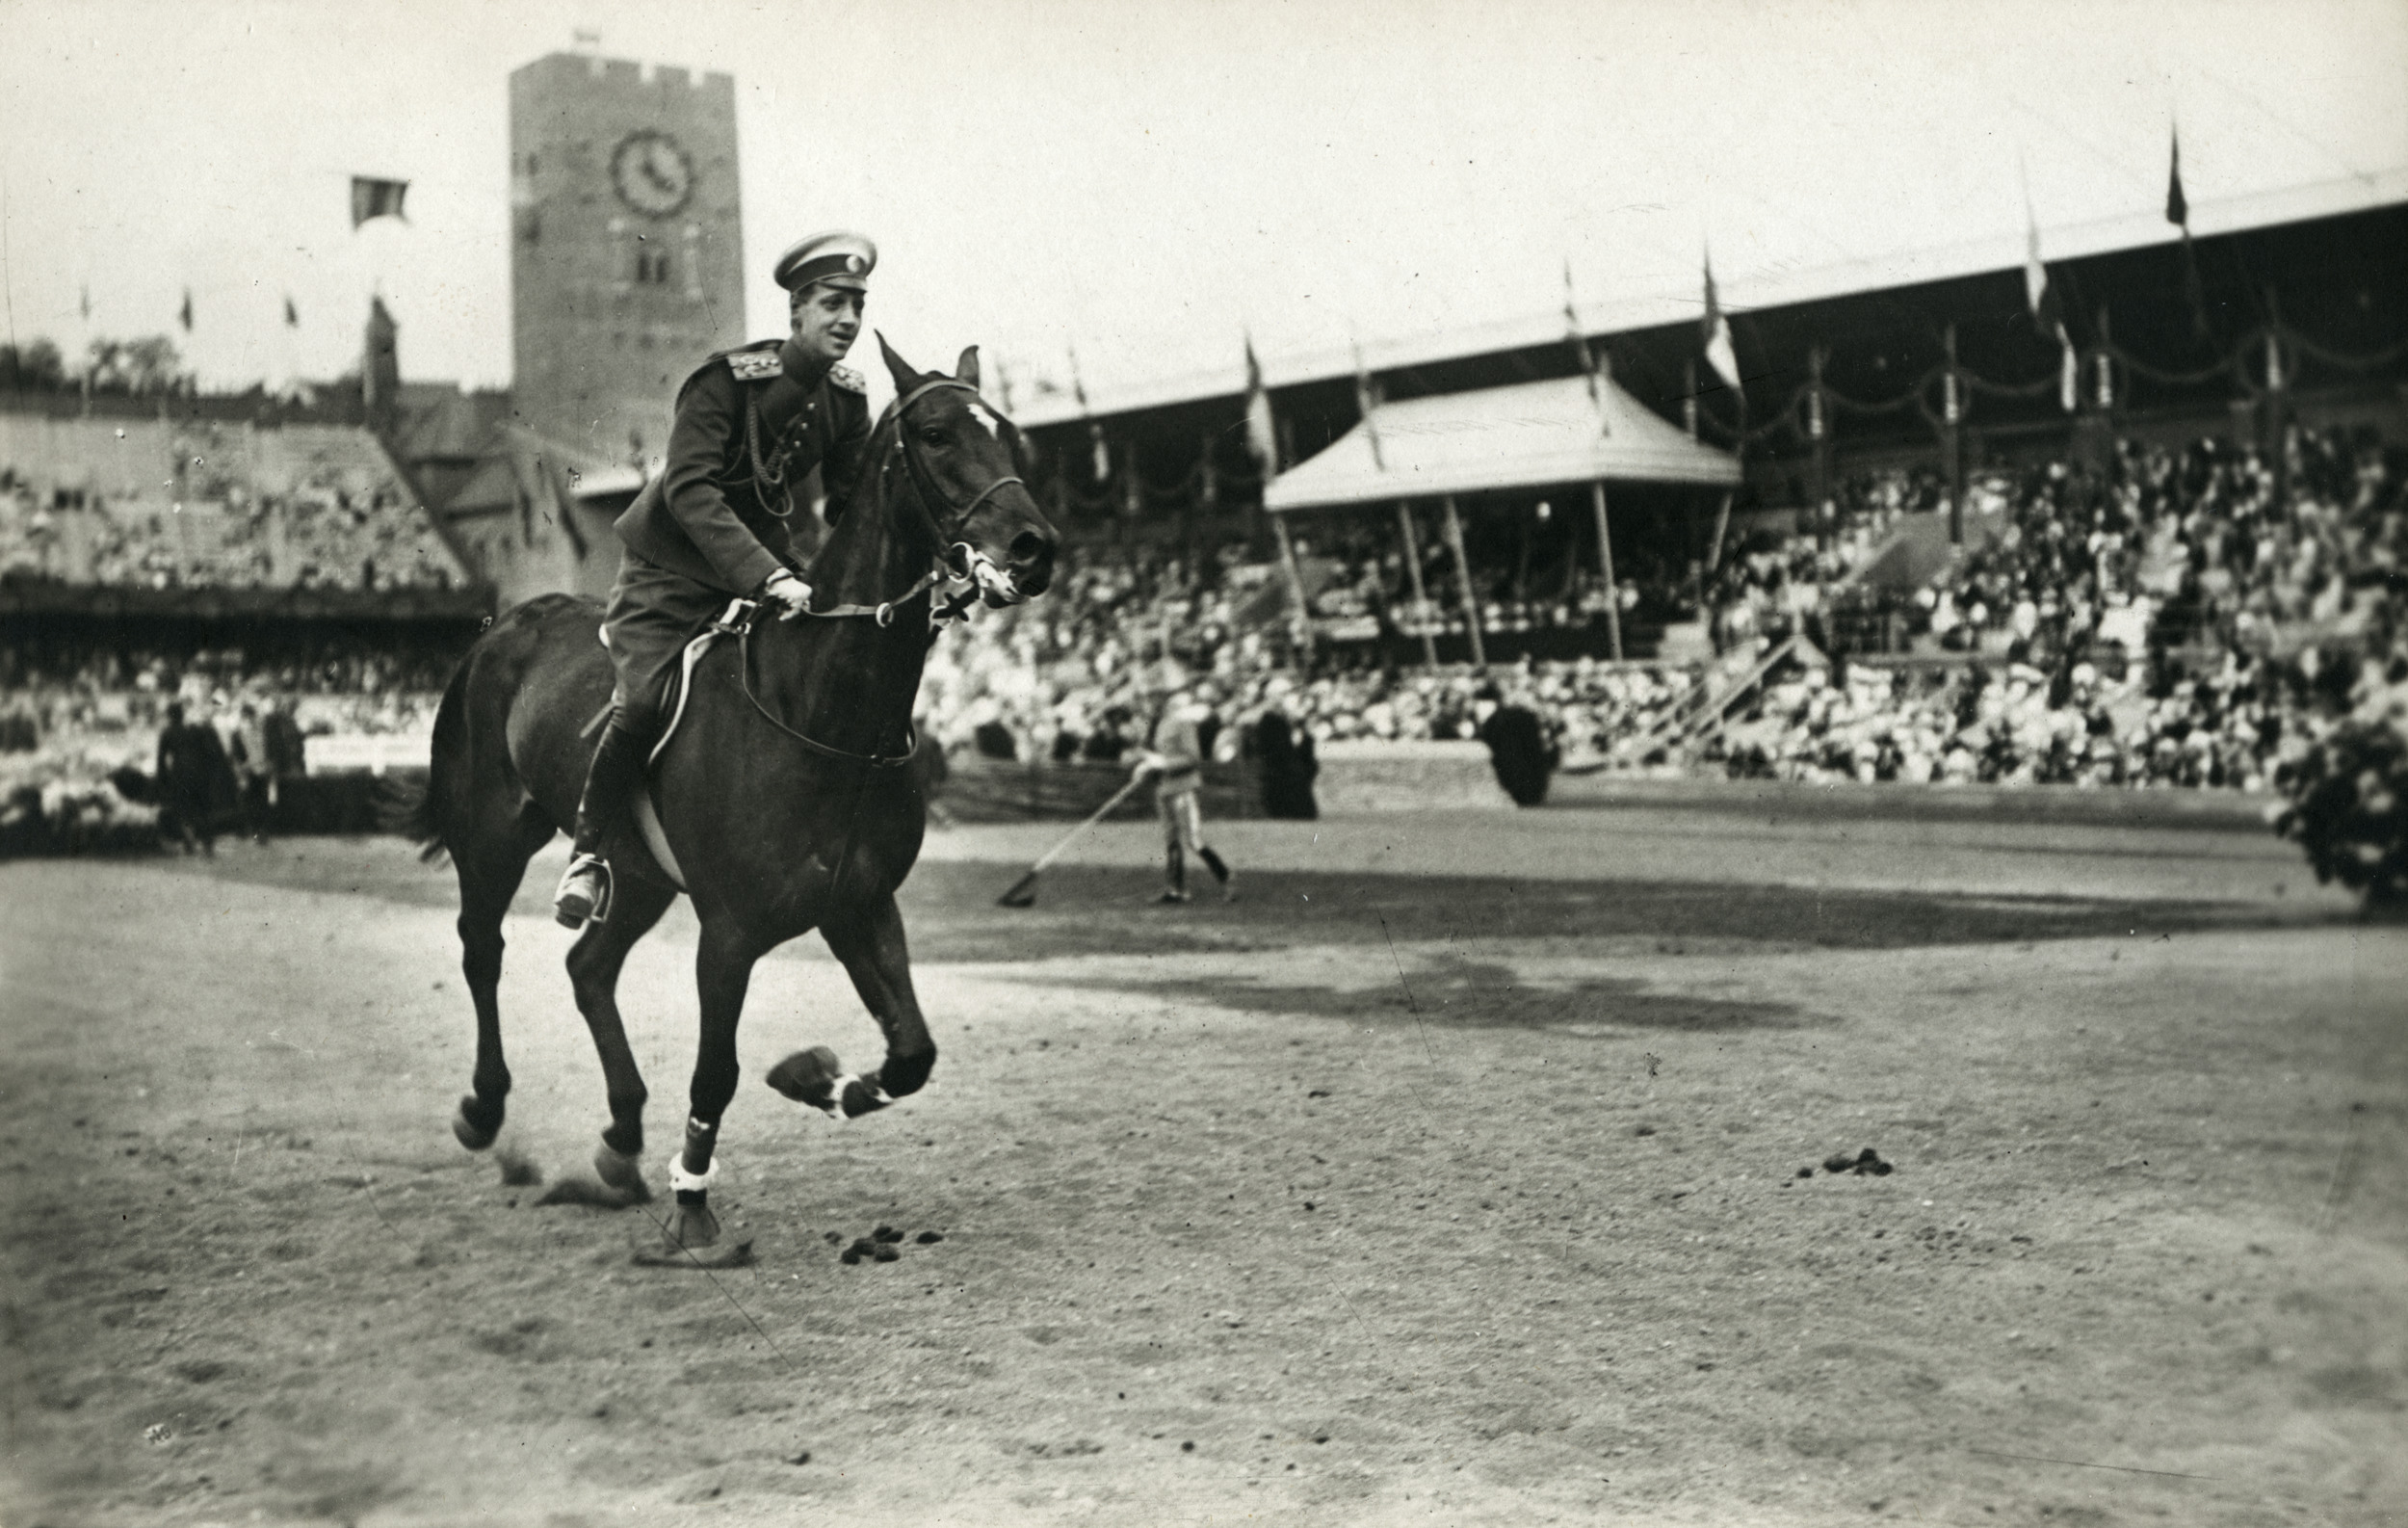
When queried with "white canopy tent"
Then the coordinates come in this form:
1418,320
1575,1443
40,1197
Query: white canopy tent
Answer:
1532,435
1529,436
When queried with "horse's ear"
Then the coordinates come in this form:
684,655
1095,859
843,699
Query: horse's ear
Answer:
905,378
967,368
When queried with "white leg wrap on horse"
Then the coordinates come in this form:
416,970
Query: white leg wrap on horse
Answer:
681,1182
876,1094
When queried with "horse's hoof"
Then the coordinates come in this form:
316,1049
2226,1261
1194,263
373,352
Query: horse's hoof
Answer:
693,1225
470,1134
808,1077
624,1174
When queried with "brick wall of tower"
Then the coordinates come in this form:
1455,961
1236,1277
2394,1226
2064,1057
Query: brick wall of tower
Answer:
613,303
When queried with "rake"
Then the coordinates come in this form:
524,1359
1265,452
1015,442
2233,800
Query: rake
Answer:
1023,892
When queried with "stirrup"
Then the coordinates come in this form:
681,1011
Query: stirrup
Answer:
584,892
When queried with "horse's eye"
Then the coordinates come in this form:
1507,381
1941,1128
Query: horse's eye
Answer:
931,436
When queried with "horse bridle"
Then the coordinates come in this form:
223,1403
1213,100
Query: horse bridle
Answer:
974,569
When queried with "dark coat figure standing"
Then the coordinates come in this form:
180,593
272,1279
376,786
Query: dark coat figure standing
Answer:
751,424
1517,747
1289,767
195,782
287,749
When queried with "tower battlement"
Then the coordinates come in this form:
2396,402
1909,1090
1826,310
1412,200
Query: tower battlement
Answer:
626,244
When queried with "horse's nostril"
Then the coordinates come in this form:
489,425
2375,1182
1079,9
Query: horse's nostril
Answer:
1029,547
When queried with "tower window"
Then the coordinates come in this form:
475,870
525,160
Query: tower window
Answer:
652,267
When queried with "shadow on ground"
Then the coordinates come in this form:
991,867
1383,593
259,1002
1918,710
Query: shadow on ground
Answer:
1456,993
1085,910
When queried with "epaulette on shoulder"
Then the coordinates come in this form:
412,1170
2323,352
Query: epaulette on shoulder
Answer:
755,365
845,377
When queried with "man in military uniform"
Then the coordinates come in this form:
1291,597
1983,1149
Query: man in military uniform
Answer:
751,424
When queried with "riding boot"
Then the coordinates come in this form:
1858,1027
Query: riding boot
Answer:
1175,875
611,781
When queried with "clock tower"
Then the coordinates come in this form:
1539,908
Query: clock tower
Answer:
626,245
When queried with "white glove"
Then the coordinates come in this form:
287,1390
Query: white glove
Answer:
790,591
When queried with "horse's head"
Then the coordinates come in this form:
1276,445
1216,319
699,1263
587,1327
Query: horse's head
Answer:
962,457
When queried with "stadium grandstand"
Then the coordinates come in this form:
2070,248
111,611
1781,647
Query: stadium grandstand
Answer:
242,556
1926,541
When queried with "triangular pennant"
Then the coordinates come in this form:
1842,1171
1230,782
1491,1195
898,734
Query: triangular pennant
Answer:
1720,354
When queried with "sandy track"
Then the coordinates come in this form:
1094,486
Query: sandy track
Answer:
1479,1165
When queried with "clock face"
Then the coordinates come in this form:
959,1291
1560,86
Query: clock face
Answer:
652,173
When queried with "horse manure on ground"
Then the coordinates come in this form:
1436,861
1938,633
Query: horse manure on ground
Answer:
1864,1163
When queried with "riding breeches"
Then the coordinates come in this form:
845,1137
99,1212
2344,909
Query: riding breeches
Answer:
652,614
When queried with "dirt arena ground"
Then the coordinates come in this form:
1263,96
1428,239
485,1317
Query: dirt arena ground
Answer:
1452,1174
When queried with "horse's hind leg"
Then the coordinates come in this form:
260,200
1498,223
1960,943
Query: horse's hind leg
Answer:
487,881
870,942
594,962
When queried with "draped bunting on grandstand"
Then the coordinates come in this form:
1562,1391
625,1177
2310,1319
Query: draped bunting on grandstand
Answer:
1528,435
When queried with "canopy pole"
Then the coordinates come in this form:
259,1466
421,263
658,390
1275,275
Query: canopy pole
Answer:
1722,523
1420,595
1302,635
1605,565
1463,578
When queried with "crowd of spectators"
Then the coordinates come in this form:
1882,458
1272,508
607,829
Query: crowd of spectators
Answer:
338,519
80,722
2170,618
2186,618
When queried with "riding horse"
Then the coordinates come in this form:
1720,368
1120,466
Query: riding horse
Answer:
783,793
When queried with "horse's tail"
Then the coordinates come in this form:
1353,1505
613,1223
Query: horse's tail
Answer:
410,809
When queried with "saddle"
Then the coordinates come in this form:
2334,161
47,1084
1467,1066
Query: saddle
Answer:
733,621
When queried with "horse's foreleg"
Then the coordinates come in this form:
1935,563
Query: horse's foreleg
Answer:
870,942
722,975
594,962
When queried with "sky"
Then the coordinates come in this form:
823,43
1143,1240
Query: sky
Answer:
1145,182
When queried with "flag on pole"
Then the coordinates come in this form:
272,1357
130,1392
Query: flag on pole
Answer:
184,315
1262,439
377,198
2048,311
2178,213
1367,404
1716,329
292,314
1101,455
2176,205
1588,356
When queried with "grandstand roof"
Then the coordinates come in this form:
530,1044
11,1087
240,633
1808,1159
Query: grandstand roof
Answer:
1740,292
1527,436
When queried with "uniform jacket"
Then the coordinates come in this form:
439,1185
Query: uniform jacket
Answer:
706,516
